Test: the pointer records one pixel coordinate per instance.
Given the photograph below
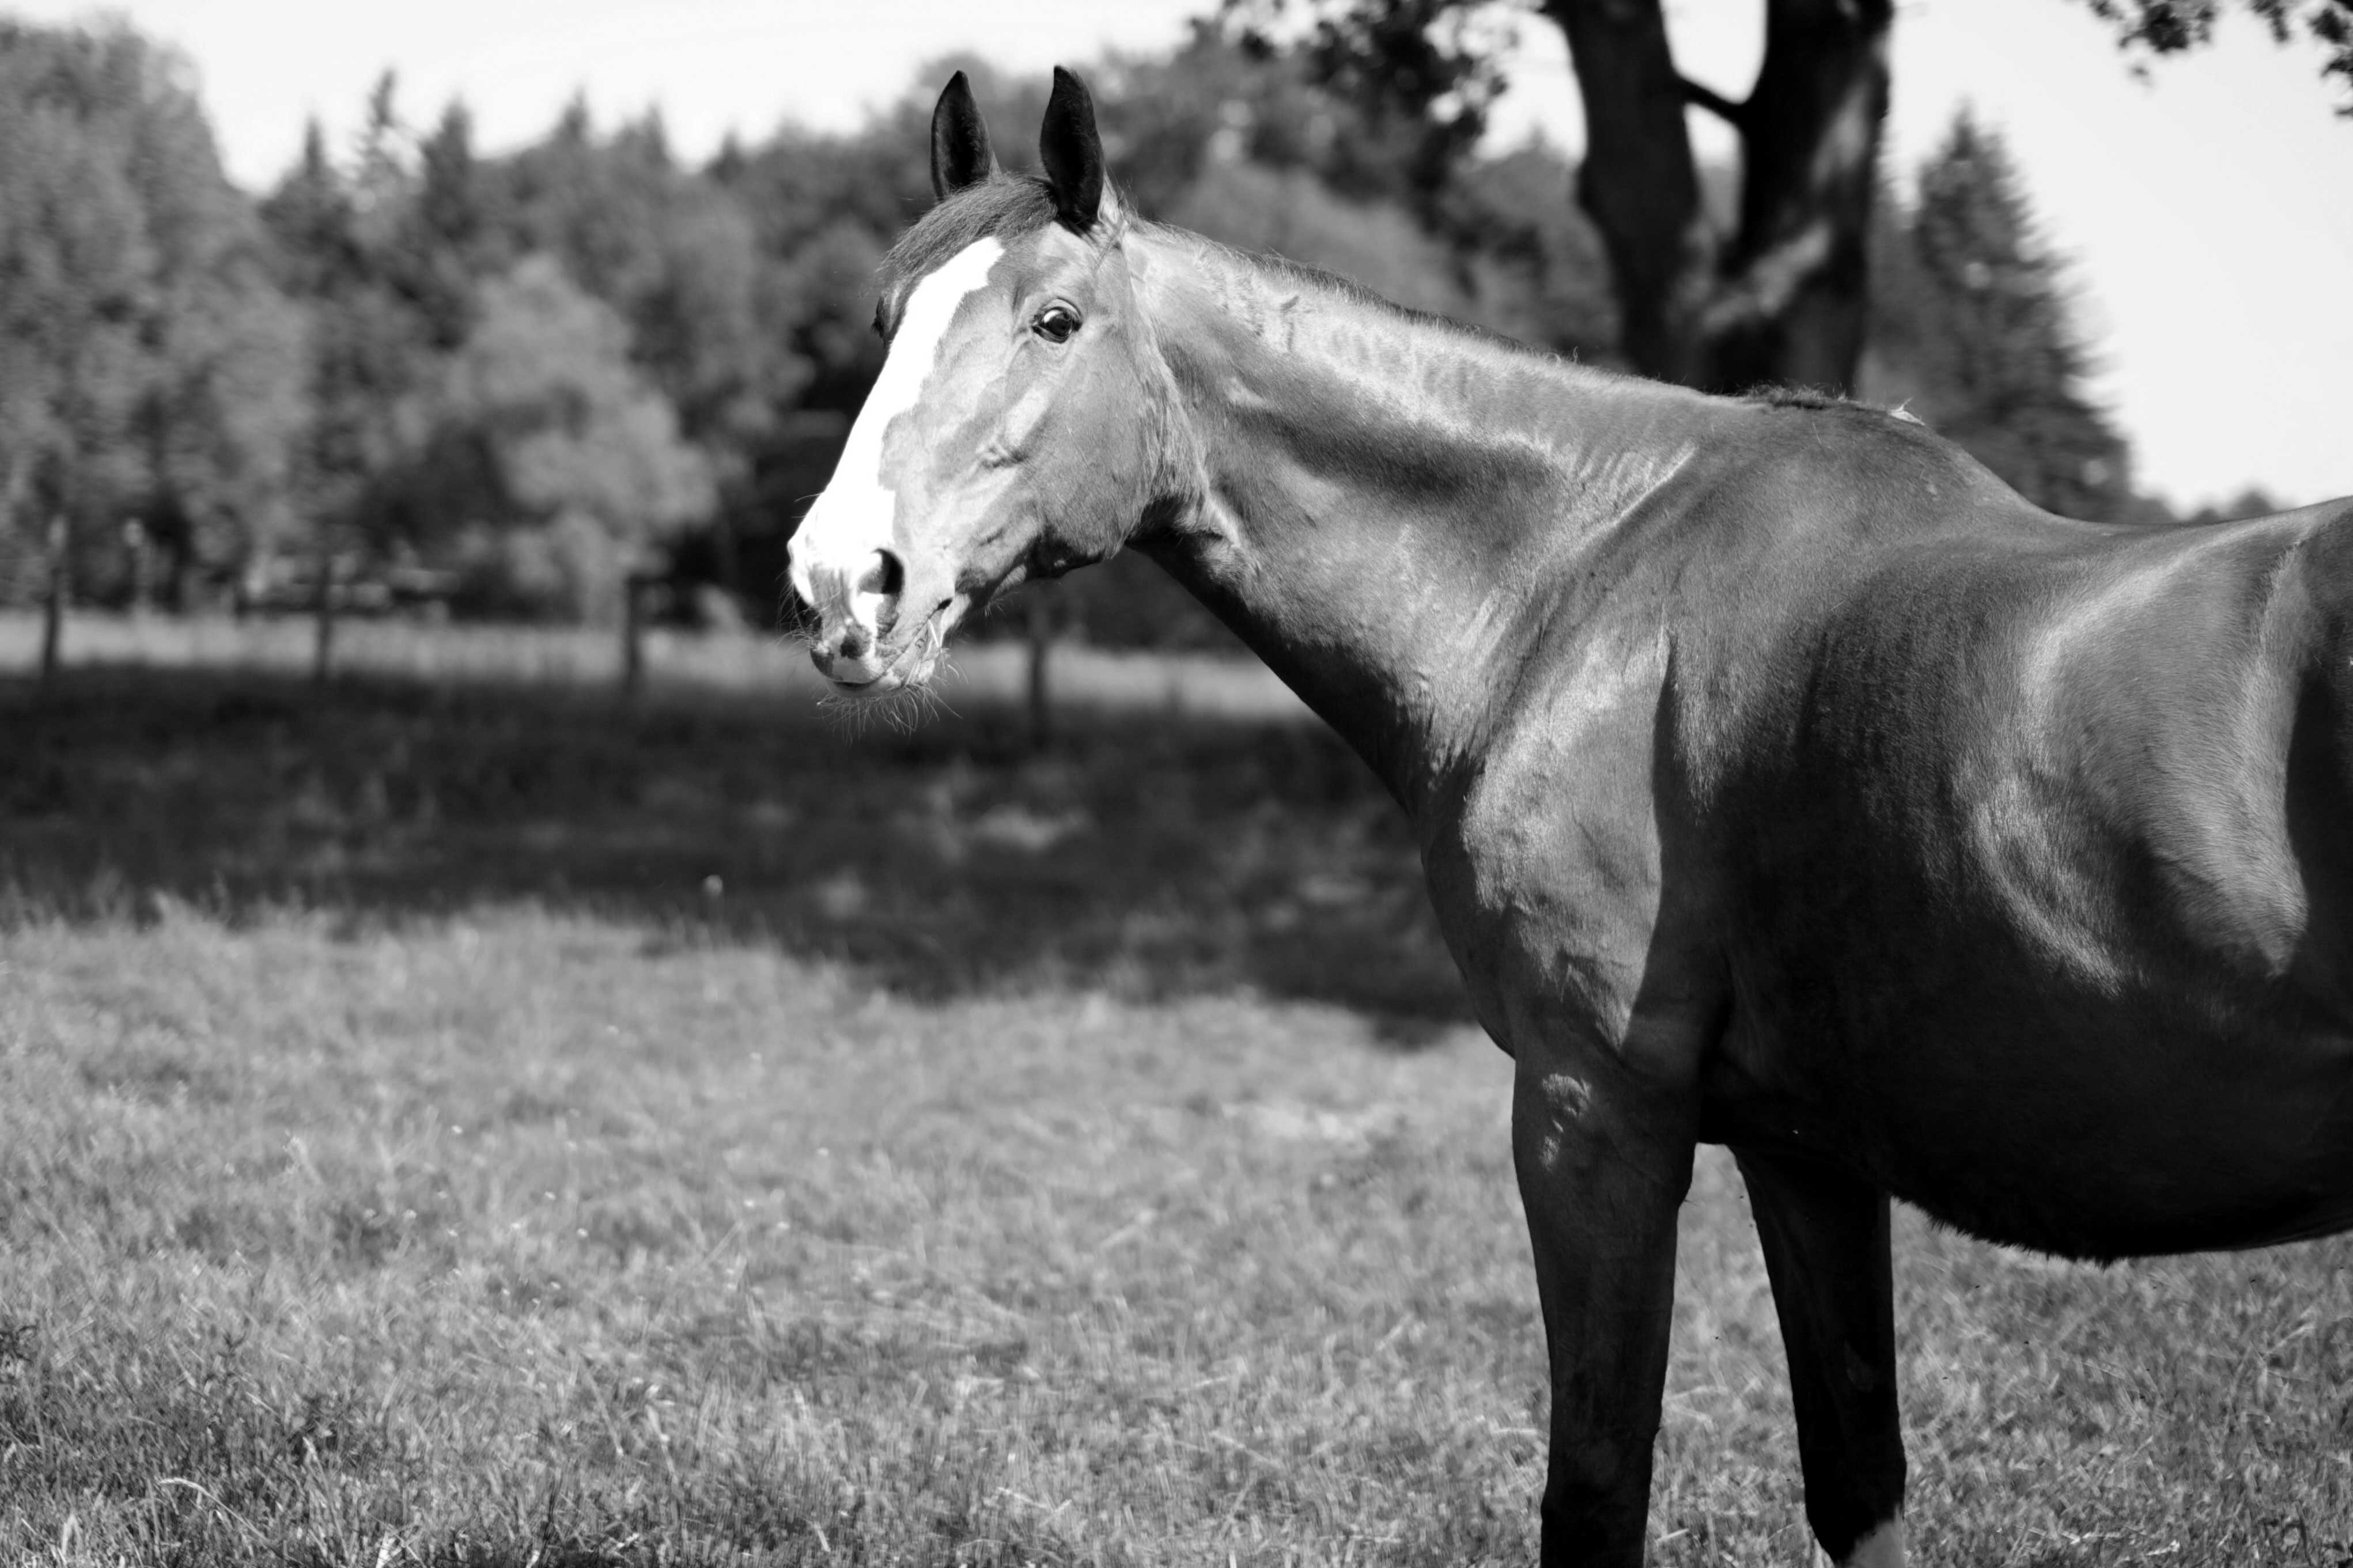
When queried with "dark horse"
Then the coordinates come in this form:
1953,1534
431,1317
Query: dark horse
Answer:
1783,779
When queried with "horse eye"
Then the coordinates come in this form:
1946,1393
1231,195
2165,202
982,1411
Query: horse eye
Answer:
878,322
1055,323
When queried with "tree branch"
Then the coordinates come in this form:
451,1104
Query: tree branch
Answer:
1762,291
1700,96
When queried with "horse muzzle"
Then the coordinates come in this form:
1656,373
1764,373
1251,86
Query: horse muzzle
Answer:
857,610
871,641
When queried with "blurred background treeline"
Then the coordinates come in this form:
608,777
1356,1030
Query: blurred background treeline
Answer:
416,376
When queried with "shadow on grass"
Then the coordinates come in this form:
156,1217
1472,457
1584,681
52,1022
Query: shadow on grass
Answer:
1149,856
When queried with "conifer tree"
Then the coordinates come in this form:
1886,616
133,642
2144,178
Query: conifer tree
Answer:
1972,325
370,350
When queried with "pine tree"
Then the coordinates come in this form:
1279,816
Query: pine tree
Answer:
1972,325
440,249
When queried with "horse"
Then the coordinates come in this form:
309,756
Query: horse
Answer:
1782,779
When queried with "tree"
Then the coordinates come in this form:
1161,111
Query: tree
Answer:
146,366
1970,327
344,246
564,463
441,242
226,416
222,403
1779,293
400,251
74,258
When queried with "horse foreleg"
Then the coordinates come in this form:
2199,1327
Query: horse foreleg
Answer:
1602,1167
1826,1251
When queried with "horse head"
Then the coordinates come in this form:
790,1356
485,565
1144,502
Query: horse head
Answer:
1012,433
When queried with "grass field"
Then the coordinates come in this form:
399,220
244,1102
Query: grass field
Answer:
488,1125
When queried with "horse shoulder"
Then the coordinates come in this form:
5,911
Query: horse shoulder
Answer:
1547,866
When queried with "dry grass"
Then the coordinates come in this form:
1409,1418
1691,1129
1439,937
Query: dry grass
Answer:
407,1155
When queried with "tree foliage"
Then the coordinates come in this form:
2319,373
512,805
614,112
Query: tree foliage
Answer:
149,365
577,464
531,369
2171,26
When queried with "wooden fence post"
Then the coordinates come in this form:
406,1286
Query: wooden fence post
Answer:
633,634
1040,629
134,544
322,649
53,599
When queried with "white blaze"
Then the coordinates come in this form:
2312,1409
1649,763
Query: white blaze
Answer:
851,519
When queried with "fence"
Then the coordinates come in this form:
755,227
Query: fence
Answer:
1078,677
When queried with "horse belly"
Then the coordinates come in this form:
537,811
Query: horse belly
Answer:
2107,1141
2111,1062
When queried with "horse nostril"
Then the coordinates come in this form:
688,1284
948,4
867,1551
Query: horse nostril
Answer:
885,575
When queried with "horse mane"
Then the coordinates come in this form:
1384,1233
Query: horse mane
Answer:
1004,206
1781,396
1343,286
1813,398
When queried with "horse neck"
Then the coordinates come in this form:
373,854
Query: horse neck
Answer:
1386,509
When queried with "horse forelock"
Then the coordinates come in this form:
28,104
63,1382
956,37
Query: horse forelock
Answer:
1006,208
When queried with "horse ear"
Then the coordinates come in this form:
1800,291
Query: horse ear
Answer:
1072,152
960,154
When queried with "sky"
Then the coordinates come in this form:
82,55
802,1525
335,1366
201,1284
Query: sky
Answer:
2206,212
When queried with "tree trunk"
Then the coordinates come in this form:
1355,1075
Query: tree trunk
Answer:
1796,291
53,597
1638,182
1784,297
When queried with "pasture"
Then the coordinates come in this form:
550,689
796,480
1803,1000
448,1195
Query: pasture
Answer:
482,1123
